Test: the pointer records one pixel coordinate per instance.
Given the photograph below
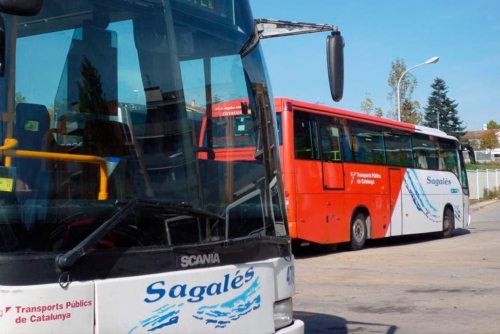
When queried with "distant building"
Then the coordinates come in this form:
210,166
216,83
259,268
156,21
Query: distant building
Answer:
474,138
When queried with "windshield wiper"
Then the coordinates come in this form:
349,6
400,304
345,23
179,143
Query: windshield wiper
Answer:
86,245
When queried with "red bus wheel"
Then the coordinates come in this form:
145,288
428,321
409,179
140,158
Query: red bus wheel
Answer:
358,232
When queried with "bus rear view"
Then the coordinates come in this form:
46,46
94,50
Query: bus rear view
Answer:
109,220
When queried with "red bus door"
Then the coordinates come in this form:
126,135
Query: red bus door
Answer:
396,201
331,158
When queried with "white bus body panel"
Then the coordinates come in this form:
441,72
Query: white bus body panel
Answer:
225,299
424,196
47,309
466,210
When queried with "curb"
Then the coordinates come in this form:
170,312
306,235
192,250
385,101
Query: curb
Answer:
481,205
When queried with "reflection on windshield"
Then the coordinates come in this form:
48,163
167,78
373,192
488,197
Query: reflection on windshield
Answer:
110,98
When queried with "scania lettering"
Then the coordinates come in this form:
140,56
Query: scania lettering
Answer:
110,220
196,260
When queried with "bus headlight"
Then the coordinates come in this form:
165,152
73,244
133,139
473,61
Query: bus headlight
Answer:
283,313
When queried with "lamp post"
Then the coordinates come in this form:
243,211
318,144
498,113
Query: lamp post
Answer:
433,60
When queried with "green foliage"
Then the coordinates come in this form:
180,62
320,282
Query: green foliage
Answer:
91,95
56,106
483,165
491,193
489,141
410,112
409,108
19,98
368,108
475,143
492,125
367,104
439,105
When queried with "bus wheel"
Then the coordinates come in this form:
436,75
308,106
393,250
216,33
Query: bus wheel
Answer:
448,223
358,232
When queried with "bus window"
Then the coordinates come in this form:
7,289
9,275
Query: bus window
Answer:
193,78
463,174
240,128
346,140
448,156
330,143
398,149
424,151
368,144
280,131
304,134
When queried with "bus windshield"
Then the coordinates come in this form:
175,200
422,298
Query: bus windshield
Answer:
103,104
232,128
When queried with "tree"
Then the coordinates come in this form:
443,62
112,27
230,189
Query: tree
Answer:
492,125
367,107
439,105
410,112
54,107
367,104
19,98
489,141
406,88
91,94
475,143
216,99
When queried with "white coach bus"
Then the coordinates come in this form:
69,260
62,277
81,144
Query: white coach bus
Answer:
109,222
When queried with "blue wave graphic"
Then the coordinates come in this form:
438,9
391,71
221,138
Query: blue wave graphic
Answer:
221,315
167,315
420,199
457,213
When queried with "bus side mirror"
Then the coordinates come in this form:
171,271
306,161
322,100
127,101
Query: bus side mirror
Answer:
470,151
21,8
335,60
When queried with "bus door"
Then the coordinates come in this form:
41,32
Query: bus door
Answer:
395,183
331,158
465,186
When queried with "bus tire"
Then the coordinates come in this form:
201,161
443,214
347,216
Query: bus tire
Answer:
448,223
358,231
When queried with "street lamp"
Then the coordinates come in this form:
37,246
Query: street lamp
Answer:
433,60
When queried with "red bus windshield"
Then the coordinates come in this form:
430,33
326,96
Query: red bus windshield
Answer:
233,131
236,131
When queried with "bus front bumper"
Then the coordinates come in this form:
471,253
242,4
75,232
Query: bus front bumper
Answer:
297,327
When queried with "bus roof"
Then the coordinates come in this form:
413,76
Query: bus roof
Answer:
433,132
331,111
282,104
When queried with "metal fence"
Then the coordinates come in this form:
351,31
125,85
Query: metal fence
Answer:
482,179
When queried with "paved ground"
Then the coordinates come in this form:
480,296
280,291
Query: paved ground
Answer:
416,284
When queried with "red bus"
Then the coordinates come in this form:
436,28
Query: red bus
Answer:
350,177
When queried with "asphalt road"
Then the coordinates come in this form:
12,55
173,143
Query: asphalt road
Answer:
411,284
